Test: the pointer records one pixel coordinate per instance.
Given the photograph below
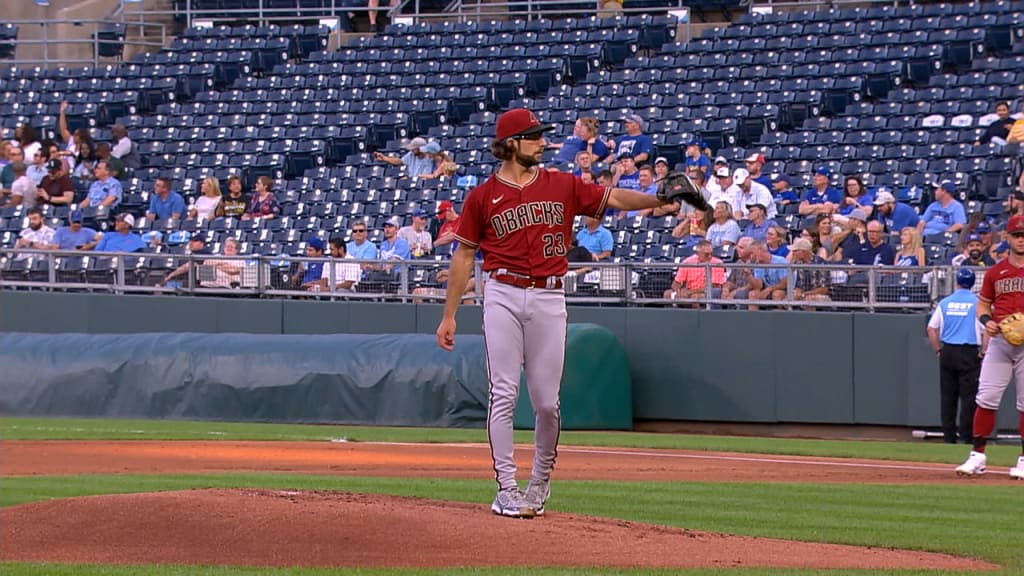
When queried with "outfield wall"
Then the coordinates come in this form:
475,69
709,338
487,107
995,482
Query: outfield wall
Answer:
733,366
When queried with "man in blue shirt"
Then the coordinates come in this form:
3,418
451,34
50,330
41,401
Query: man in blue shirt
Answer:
945,214
782,191
165,204
122,239
638,145
767,281
415,161
309,273
820,198
959,340
595,238
105,191
74,236
895,215
392,248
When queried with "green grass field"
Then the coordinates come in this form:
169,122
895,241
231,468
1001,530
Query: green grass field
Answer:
966,519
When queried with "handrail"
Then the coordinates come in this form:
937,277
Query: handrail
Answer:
47,41
873,288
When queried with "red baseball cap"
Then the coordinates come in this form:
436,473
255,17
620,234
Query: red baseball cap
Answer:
444,207
519,122
1015,225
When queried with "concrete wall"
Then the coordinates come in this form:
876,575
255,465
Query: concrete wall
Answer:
733,366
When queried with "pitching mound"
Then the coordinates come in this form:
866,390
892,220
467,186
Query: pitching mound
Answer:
278,528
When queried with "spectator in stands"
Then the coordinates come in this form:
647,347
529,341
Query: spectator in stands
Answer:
227,273
661,169
308,274
713,186
625,174
73,141
1016,135
895,215
235,204
738,279
724,230
84,161
691,278
757,227
826,237
782,191
104,191
856,198
647,186
809,284
728,191
440,292
14,154
984,230
392,249
123,149
417,236
74,236
775,239
866,245
264,202
37,169
360,247
821,197
693,224
974,254
37,236
26,139
164,203
115,166
583,164
196,247
755,165
750,194
585,139
696,158
210,203
635,143
56,153
945,214
595,238
5,146
587,177
999,129
122,239
767,281
682,210
23,189
346,275
56,188
449,223
415,161
911,252
441,164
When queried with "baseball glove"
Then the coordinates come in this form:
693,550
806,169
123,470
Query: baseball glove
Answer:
677,187
1012,328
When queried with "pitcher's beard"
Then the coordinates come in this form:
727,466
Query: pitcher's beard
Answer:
526,161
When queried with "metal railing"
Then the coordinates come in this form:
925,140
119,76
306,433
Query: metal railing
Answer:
51,39
708,286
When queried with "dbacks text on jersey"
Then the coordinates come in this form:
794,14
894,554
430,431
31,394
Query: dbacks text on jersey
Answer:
546,212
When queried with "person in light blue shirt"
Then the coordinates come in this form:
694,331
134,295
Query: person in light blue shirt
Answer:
595,238
165,204
945,214
105,191
416,162
959,340
74,236
768,283
122,239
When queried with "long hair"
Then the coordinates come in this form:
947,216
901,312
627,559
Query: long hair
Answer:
502,150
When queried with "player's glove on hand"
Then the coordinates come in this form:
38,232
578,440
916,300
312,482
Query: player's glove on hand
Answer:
1012,328
677,187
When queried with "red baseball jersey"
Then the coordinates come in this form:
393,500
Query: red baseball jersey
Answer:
528,230
1003,287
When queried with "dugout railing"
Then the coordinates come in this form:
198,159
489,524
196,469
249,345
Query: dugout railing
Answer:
627,283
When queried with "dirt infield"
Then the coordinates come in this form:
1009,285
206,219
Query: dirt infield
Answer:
274,528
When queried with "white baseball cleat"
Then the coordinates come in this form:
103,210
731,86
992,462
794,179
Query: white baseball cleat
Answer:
1017,472
974,466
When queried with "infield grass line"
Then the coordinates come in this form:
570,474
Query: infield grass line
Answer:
89,429
21,569
966,520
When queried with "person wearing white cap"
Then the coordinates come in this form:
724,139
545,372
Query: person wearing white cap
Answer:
809,284
415,161
727,191
712,183
635,142
751,194
122,239
895,215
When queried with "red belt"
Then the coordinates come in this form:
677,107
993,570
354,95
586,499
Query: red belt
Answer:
527,281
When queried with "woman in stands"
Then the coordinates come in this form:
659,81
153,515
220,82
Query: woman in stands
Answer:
775,238
210,204
856,197
827,240
72,141
724,231
228,272
84,161
443,165
911,251
25,136
584,137
264,203
1000,127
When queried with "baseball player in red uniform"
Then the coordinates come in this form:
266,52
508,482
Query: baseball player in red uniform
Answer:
521,219
1002,295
